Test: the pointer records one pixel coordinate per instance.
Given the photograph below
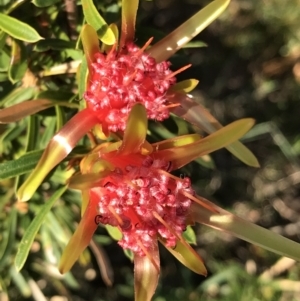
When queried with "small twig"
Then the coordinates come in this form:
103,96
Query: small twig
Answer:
103,263
71,10
282,265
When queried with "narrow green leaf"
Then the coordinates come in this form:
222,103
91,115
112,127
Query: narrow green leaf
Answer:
167,46
32,133
114,232
176,142
56,95
189,235
4,60
60,117
14,5
19,30
17,95
90,44
129,10
10,242
223,220
57,150
136,130
146,274
20,166
50,125
11,133
3,37
81,77
180,156
80,239
129,254
195,44
87,181
196,114
93,18
18,62
3,77
27,163
185,86
55,44
33,228
20,281
187,256
44,3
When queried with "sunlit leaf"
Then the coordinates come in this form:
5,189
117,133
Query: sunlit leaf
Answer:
80,239
14,5
185,85
136,130
90,44
19,30
106,48
223,220
166,47
180,156
146,274
18,62
176,142
58,149
187,256
196,114
129,10
189,235
44,3
93,18
114,232
195,44
81,77
31,231
87,181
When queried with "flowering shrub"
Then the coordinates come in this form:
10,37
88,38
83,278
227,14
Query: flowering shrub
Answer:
126,182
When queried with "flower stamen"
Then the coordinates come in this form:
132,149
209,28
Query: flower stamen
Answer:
177,71
199,201
114,213
148,255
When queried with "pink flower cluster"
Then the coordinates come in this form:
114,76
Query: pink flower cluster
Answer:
144,201
122,78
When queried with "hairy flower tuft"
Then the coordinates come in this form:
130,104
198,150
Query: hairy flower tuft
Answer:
144,202
122,78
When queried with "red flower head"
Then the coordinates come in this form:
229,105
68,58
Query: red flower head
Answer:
127,185
122,78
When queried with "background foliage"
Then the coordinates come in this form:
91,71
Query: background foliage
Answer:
250,68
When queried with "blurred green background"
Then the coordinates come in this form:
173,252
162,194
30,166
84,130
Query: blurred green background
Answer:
249,66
